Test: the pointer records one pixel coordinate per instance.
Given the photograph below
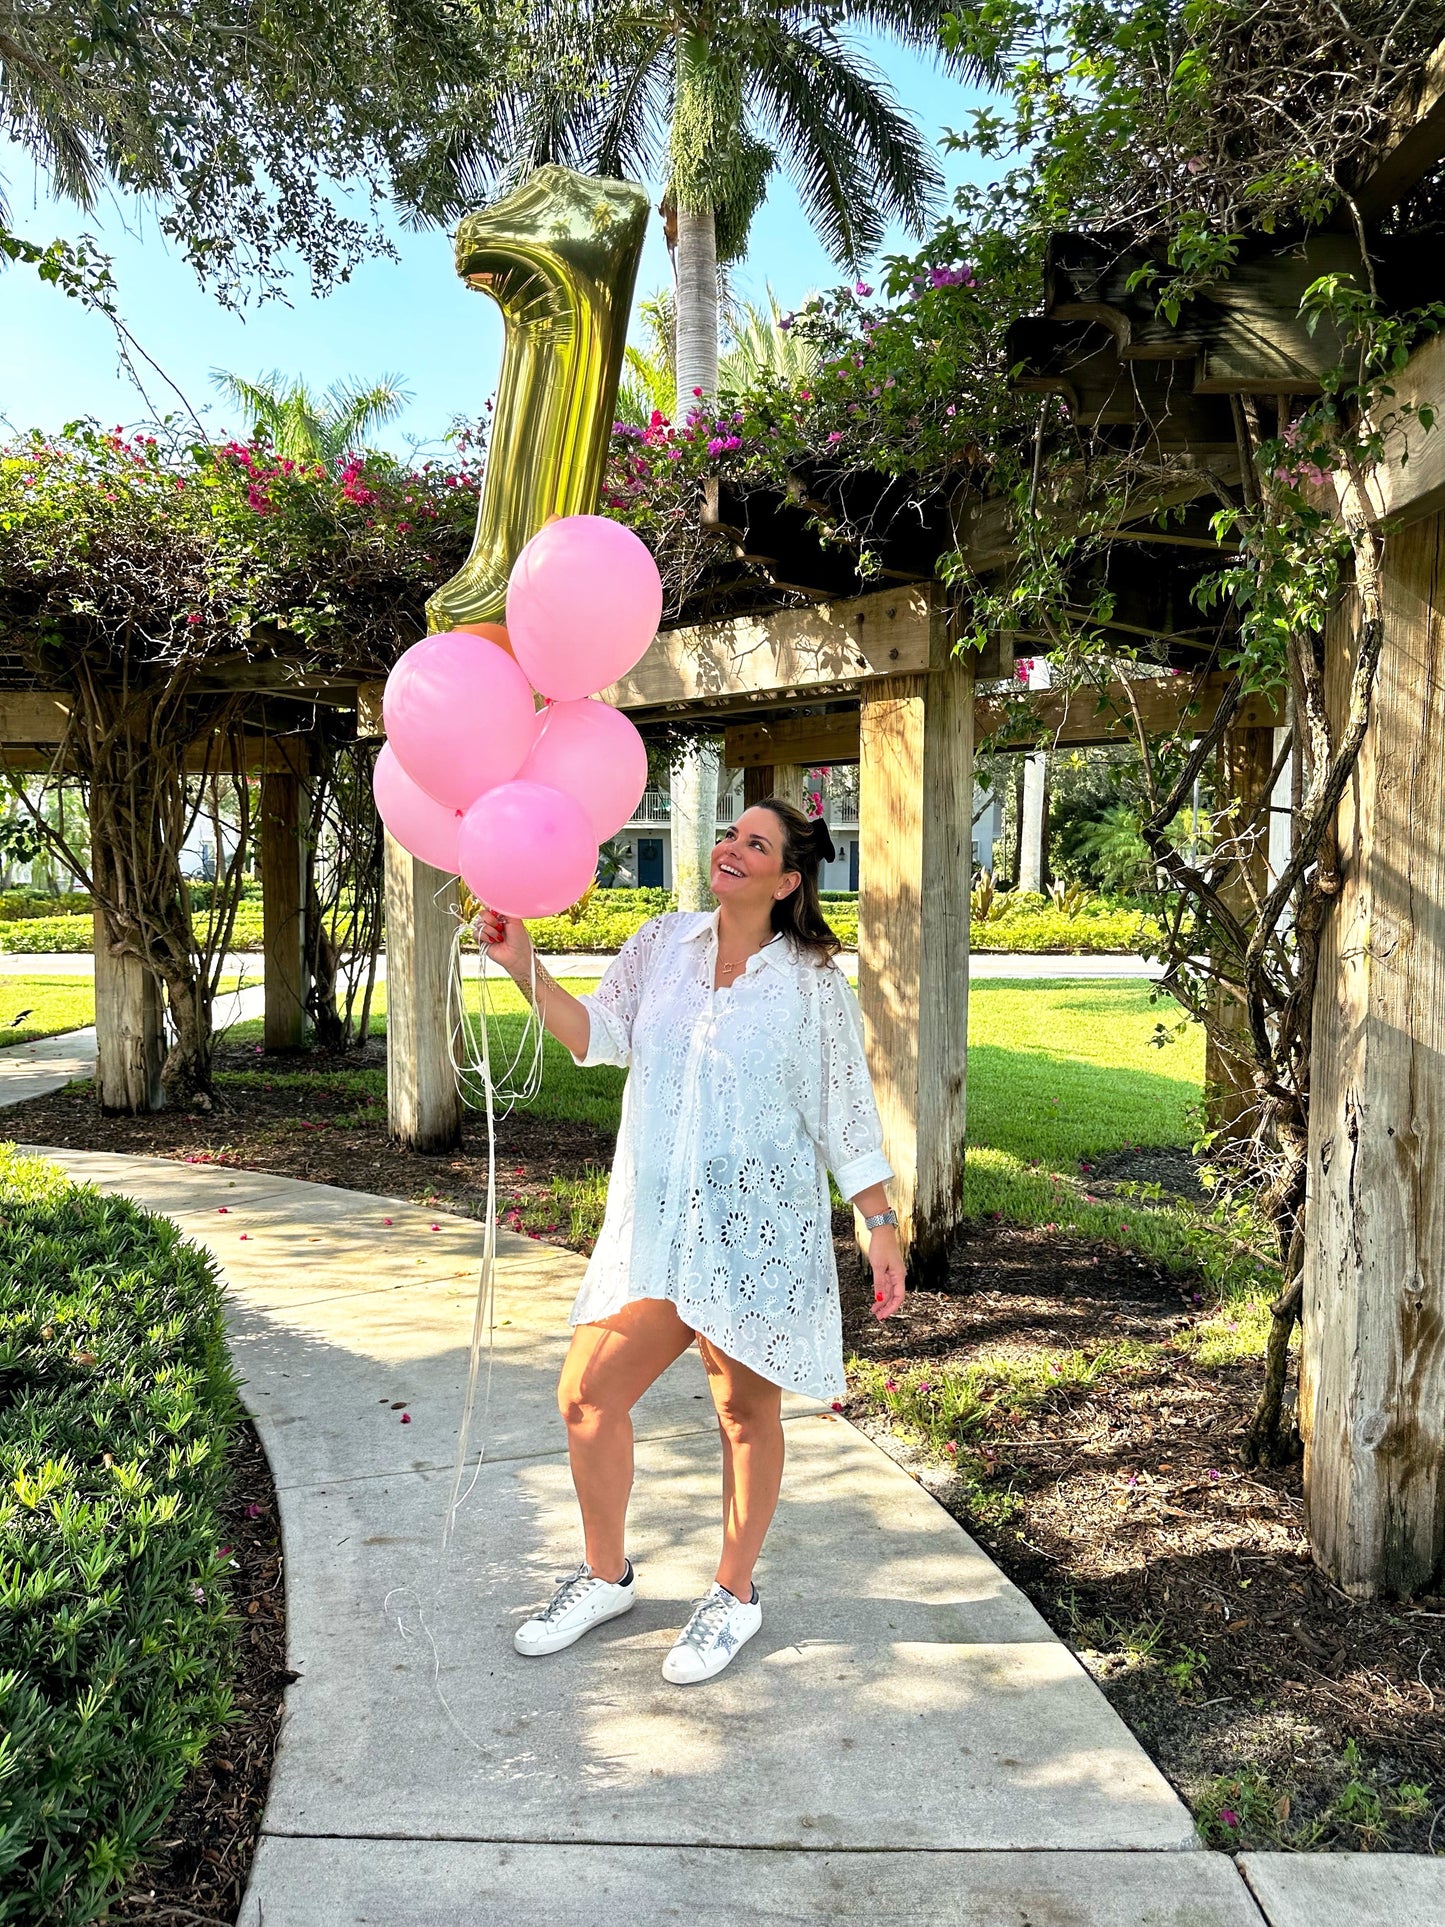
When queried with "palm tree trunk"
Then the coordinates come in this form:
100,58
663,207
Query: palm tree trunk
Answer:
695,272
694,781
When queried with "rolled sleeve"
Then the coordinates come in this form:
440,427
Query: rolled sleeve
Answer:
850,1134
609,1040
612,1006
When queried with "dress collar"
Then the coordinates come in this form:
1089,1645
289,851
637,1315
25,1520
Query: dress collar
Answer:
776,952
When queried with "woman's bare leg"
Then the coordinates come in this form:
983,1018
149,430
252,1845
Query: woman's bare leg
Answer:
609,1366
749,1417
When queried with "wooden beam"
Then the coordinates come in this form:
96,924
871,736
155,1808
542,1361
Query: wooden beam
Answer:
424,1106
1410,482
915,813
283,907
793,739
1056,717
1414,143
34,717
889,633
1372,1374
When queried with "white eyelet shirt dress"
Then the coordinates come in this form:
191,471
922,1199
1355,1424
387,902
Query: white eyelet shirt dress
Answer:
738,1103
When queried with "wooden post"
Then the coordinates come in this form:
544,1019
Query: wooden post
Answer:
424,1106
915,811
283,901
1372,1377
785,780
1243,823
129,1034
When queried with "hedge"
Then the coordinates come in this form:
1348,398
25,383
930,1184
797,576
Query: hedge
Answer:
34,936
116,1404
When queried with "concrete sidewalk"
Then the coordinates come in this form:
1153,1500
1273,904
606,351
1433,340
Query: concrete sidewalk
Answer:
905,1740
49,1063
983,964
902,1728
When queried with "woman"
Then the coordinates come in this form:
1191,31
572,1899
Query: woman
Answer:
747,1085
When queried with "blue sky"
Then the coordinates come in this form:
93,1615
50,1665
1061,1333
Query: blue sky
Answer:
410,317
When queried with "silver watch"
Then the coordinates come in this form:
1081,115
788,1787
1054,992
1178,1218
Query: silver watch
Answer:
882,1217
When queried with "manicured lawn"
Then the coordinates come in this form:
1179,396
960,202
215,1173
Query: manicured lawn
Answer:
50,1004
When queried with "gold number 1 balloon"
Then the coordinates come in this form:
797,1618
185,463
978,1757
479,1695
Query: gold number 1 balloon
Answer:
559,257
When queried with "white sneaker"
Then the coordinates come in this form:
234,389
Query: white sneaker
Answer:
581,1601
719,1625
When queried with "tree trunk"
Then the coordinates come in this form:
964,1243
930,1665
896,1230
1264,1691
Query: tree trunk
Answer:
694,822
695,271
1033,873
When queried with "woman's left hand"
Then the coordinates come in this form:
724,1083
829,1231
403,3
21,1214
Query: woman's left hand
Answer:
885,1255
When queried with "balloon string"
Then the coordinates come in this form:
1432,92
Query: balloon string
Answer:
471,1055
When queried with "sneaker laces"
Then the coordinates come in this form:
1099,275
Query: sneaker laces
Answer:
707,1619
569,1590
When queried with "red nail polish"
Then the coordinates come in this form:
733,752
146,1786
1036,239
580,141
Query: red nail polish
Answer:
878,1297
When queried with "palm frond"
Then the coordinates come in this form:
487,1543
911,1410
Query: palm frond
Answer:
856,158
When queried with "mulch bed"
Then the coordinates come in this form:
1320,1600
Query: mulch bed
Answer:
321,1134
1182,1580
196,1873
1124,1513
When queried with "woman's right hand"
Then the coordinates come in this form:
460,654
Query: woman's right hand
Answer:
506,939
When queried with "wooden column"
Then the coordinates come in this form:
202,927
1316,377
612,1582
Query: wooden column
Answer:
129,1033
915,811
1242,822
424,1106
784,780
283,906
757,783
1372,1379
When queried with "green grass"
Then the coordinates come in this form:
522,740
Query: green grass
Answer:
116,1405
1360,1812
55,1004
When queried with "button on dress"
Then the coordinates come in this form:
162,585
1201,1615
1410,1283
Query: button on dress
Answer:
737,1105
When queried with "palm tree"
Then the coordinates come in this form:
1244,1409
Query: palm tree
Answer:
708,98
760,346
305,427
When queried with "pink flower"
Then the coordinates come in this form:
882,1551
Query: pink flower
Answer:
223,1209
890,1385
406,1418
1229,1816
386,1221
862,287
244,1236
697,391
254,1511
950,1447
836,436
837,1405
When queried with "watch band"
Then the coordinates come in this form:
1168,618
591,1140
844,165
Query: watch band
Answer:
882,1217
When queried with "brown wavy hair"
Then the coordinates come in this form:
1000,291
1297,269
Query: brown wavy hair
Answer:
806,847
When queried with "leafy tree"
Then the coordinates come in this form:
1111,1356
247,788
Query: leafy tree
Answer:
302,426
235,122
709,101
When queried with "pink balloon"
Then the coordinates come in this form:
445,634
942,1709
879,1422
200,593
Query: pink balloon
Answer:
527,849
593,752
459,716
583,603
418,822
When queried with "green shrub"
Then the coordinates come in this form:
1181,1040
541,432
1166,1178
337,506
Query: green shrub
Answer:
116,1403
36,936
1052,932
35,903
201,892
